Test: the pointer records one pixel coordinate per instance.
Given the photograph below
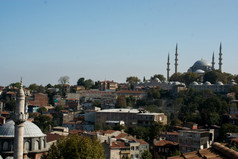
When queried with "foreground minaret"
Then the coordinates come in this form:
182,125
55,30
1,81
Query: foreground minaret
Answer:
19,119
168,69
220,58
176,59
213,61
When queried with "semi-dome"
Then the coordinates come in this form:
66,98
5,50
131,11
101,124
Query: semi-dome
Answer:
30,129
201,62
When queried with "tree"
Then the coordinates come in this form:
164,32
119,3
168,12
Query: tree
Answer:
190,77
63,80
177,77
211,76
155,130
146,155
33,87
76,147
159,76
81,81
86,83
10,105
132,81
154,93
121,102
43,122
41,110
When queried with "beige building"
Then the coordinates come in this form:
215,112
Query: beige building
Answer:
107,85
131,117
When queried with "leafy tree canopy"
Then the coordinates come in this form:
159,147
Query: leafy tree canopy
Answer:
76,147
132,80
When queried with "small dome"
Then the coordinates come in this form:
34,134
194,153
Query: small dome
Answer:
157,80
219,83
194,83
30,129
201,62
233,82
207,83
199,71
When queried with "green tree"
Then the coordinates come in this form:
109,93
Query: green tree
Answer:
121,102
10,105
43,122
146,155
190,77
132,80
227,128
177,77
76,147
88,83
41,110
155,130
33,87
153,93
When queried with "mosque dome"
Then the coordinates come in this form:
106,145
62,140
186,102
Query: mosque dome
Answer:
219,83
199,71
207,83
233,82
201,63
157,80
194,83
30,129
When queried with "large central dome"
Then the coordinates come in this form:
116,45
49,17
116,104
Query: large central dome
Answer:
30,129
201,63
200,67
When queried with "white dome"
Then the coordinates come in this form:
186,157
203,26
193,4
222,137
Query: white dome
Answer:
199,71
157,80
207,83
201,62
194,83
219,83
30,129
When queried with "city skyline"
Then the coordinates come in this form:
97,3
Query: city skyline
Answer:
111,40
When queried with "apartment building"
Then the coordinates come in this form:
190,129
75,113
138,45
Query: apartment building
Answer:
194,140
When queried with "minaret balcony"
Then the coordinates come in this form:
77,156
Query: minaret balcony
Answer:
20,118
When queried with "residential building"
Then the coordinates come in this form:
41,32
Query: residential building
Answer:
38,99
131,117
107,85
164,148
193,140
216,151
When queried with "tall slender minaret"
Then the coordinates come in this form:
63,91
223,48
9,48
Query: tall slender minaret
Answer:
168,69
19,119
220,58
213,61
176,59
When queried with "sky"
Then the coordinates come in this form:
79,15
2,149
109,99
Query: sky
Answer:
43,40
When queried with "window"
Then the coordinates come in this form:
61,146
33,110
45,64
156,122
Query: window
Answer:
132,147
132,156
37,145
5,146
27,146
137,147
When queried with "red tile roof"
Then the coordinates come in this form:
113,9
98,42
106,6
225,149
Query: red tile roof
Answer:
118,144
164,142
52,137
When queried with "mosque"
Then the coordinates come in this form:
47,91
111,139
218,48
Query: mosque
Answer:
200,66
21,138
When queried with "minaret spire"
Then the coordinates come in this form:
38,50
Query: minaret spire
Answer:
213,61
168,69
19,119
220,58
176,59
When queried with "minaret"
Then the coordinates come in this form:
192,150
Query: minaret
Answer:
176,59
213,61
168,69
220,58
19,119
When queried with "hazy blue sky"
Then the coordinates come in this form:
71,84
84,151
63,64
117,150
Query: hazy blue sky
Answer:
42,40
